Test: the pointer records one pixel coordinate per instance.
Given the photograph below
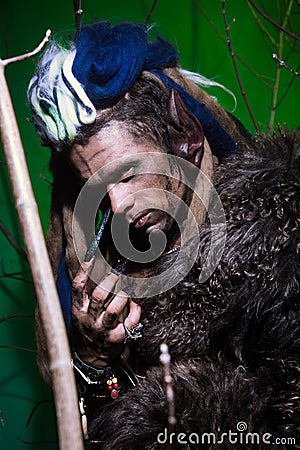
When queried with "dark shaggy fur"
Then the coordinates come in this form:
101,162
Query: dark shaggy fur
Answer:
234,340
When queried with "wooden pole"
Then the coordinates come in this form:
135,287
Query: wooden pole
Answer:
63,381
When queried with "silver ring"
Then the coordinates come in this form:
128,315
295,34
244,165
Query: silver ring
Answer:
133,333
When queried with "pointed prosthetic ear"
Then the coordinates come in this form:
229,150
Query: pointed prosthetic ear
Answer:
185,130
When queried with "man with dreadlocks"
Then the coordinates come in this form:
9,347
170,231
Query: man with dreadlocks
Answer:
135,143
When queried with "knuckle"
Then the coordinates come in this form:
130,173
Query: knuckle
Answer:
76,311
99,293
98,296
112,317
115,337
123,295
109,318
77,285
111,309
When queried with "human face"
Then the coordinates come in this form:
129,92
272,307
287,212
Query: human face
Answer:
140,197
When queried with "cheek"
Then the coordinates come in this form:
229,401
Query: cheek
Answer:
153,191
153,187
154,181
165,183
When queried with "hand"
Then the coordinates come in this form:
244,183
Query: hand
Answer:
98,329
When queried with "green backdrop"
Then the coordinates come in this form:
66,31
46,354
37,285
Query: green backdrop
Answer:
196,28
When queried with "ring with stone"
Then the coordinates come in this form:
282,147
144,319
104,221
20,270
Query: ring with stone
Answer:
133,333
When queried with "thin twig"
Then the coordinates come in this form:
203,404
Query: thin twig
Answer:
151,12
219,34
278,70
12,241
13,316
283,64
36,406
230,48
45,179
275,24
36,442
77,13
261,26
287,89
165,359
14,59
14,277
31,350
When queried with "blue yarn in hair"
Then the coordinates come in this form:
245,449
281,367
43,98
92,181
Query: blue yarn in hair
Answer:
63,285
110,57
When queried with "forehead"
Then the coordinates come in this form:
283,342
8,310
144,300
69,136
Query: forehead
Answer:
112,146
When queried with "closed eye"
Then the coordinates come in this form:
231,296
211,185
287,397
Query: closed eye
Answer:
127,175
121,174
126,179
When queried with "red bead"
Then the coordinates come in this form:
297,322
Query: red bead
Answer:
109,387
114,394
116,386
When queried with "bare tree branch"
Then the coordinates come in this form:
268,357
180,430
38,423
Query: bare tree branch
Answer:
14,277
36,442
151,12
31,350
13,316
287,88
77,13
231,51
36,406
283,64
219,34
276,86
64,387
275,24
261,26
12,241
14,59
45,179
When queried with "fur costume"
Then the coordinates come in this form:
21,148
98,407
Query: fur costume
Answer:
66,188
234,340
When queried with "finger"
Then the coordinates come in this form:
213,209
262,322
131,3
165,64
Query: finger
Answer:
117,334
114,310
79,282
134,315
81,277
101,293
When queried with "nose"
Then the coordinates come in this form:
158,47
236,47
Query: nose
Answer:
121,197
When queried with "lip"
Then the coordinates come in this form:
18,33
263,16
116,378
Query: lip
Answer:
141,219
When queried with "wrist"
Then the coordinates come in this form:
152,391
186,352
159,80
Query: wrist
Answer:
92,360
101,376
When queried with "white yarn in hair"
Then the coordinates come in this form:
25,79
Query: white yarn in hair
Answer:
202,81
59,103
